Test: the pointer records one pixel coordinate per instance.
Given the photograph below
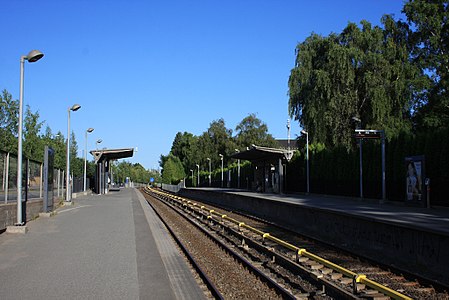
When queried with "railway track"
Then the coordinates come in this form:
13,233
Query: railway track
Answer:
303,273
226,274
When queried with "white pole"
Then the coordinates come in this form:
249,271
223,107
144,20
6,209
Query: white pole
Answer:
19,146
89,130
85,164
210,172
67,178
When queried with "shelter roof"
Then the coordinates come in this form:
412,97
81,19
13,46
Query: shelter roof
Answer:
256,153
112,154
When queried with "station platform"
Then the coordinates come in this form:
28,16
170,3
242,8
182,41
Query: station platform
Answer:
435,219
413,239
103,247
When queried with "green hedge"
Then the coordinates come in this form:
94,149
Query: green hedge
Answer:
336,171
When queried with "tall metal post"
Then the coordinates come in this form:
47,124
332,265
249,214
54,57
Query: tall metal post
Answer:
68,194
7,178
33,56
67,178
85,159
307,158
308,166
198,175
238,173
19,146
361,167
210,171
384,189
221,156
238,169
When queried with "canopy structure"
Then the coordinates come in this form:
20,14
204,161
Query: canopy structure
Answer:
103,178
257,153
268,167
111,154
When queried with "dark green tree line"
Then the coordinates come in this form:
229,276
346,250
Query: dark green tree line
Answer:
34,140
189,150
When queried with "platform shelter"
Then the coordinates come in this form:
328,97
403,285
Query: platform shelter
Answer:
103,174
268,164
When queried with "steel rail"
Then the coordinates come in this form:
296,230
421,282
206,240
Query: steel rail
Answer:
253,269
211,287
357,278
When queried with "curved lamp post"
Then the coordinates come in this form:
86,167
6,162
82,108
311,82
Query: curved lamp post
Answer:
98,142
68,197
210,172
33,56
238,169
85,158
358,123
221,157
198,179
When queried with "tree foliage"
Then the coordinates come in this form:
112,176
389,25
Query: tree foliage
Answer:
34,140
135,172
362,72
9,119
33,147
173,170
430,39
191,150
251,130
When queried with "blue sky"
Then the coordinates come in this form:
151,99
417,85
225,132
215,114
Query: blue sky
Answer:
144,70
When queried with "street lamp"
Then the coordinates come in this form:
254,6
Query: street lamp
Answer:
221,157
359,126
33,56
238,169
99,167
192,176
210,172
98,142
89,130
307,158
198,180
68,197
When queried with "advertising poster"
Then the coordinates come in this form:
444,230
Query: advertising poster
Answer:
414,179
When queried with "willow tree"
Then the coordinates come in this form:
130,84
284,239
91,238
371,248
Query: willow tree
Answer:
363,72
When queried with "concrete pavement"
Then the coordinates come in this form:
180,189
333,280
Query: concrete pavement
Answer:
104,247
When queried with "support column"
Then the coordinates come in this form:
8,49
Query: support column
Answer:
281,176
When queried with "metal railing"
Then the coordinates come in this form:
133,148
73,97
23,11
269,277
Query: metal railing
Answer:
32,186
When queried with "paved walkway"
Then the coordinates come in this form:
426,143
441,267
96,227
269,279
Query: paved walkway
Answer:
430,219
104,247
